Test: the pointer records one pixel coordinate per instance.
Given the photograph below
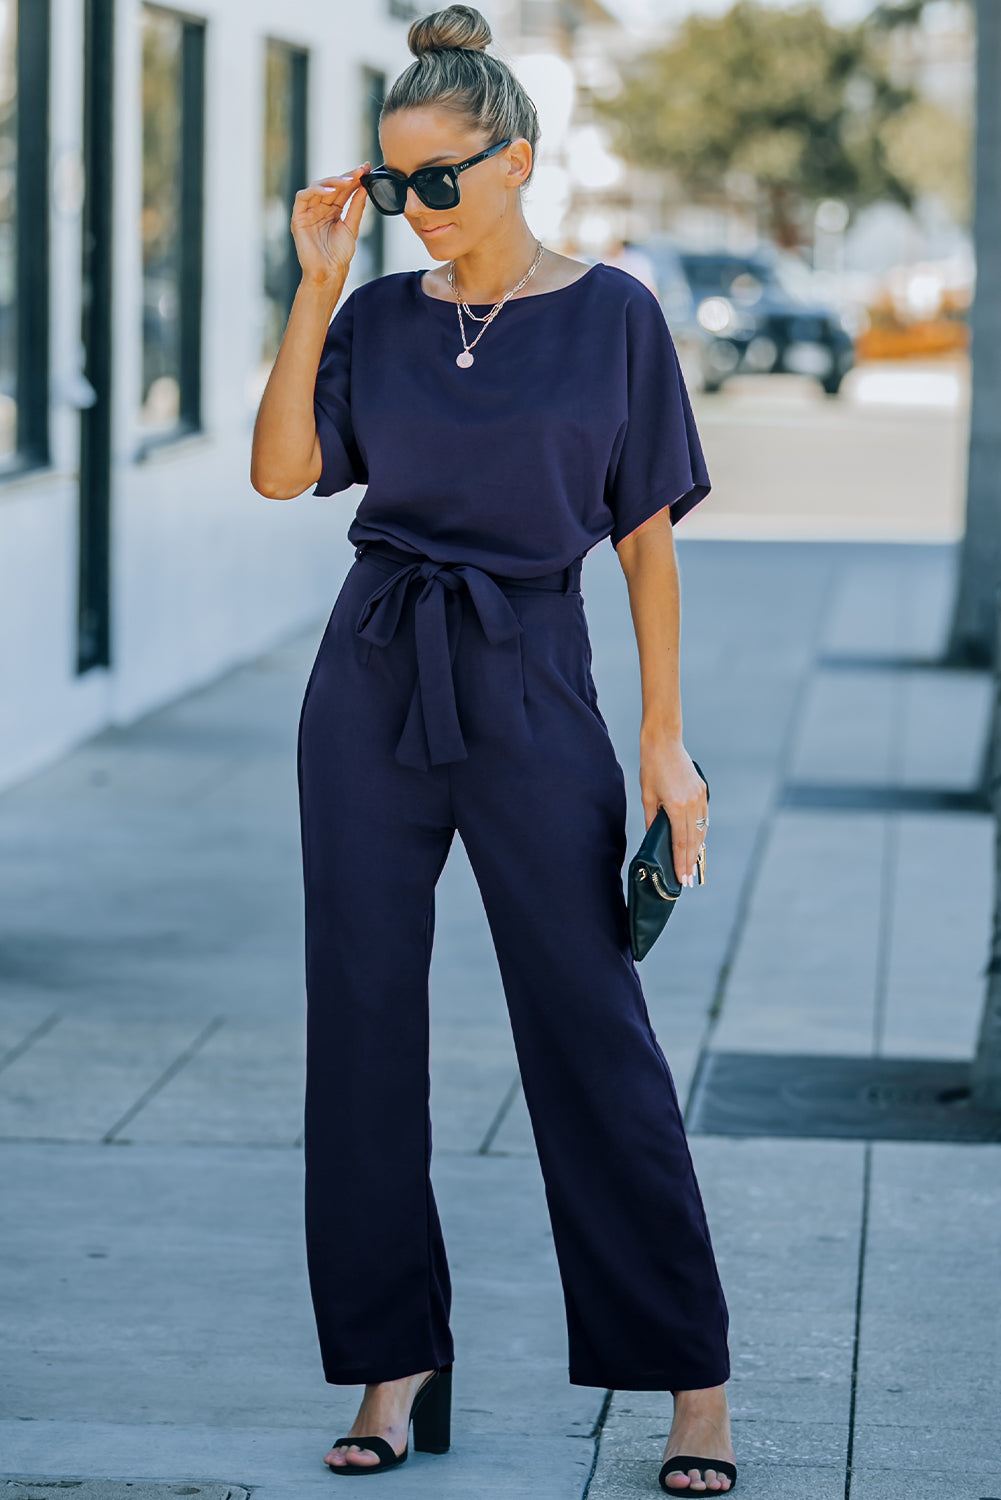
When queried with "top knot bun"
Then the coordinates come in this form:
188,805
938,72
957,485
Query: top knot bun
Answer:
455,28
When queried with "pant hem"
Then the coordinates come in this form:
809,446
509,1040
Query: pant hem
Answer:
375,1375
667,1380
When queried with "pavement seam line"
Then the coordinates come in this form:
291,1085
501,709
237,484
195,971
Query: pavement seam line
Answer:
175,1067
890,856
595,1436
33,1036
483,1149
856,1337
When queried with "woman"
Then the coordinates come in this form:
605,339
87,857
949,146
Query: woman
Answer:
507,411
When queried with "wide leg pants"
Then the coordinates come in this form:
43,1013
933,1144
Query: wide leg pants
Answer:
444,699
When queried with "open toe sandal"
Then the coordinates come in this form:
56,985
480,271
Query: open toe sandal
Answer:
430,1413
684,1461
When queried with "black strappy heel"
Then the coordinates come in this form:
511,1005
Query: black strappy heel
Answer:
431,1414
685,1461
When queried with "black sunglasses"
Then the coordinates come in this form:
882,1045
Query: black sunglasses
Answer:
436,187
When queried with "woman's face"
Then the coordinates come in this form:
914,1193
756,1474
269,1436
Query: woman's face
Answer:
488,191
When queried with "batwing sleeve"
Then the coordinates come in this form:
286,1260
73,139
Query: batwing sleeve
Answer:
343,464
657,458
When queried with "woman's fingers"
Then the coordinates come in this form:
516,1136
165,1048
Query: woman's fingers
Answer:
341,177
670,780
683,854
355,209
332,190
686,839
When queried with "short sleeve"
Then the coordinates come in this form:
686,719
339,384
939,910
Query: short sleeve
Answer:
343,464
657,459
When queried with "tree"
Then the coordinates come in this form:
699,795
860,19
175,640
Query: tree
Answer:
801,108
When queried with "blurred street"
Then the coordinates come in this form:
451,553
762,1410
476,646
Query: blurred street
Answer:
886,458
154,1296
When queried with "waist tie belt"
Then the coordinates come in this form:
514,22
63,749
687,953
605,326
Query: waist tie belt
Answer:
431,733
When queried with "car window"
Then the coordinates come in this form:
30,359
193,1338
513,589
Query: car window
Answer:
727,275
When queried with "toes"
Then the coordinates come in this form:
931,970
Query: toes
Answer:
365,1454
347,1457
694,1482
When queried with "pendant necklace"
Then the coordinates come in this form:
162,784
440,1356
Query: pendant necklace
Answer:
465,359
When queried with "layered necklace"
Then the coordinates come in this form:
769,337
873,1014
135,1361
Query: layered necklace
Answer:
465,359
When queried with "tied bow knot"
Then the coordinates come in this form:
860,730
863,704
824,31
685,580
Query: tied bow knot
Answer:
431,732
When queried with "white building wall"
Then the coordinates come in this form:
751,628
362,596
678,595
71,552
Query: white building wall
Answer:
205,572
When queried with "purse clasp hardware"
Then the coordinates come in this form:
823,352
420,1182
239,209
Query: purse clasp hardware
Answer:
658,887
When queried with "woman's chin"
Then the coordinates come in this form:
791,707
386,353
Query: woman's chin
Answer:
435,241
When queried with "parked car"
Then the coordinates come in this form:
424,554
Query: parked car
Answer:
734,314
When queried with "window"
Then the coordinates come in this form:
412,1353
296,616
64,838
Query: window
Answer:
285,172
173,66
370,251
24,240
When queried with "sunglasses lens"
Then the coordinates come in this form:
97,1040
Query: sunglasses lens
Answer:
386,194
436,188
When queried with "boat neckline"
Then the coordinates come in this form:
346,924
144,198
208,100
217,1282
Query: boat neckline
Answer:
532,297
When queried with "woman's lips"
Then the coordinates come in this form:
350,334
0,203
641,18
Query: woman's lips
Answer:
437,229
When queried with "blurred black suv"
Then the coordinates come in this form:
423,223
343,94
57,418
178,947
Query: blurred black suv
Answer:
741,314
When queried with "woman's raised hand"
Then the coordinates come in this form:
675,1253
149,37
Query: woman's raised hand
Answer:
325,234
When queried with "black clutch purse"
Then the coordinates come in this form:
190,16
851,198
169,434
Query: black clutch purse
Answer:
652,887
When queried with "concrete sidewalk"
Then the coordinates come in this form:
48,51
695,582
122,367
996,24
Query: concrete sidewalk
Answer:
154,1295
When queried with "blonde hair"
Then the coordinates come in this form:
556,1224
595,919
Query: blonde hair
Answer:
454,72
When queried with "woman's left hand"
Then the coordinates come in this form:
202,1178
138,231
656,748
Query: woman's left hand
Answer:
668,779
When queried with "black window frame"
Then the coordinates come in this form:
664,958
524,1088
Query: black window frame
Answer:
32,449
191,230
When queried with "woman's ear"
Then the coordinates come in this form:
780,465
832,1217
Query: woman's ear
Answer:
519,161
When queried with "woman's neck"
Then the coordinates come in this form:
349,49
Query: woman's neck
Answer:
487,274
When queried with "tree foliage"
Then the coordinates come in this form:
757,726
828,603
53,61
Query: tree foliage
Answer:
785,100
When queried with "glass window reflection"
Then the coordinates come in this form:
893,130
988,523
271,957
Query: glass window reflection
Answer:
162,36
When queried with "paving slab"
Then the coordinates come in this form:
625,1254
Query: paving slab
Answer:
939,921
929,1366
82,1076
891,601
805,975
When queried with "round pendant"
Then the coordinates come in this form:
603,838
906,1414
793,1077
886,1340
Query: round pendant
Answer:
464,360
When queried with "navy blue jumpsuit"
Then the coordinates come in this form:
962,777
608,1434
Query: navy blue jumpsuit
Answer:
452,691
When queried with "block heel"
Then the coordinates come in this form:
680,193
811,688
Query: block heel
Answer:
432,1414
